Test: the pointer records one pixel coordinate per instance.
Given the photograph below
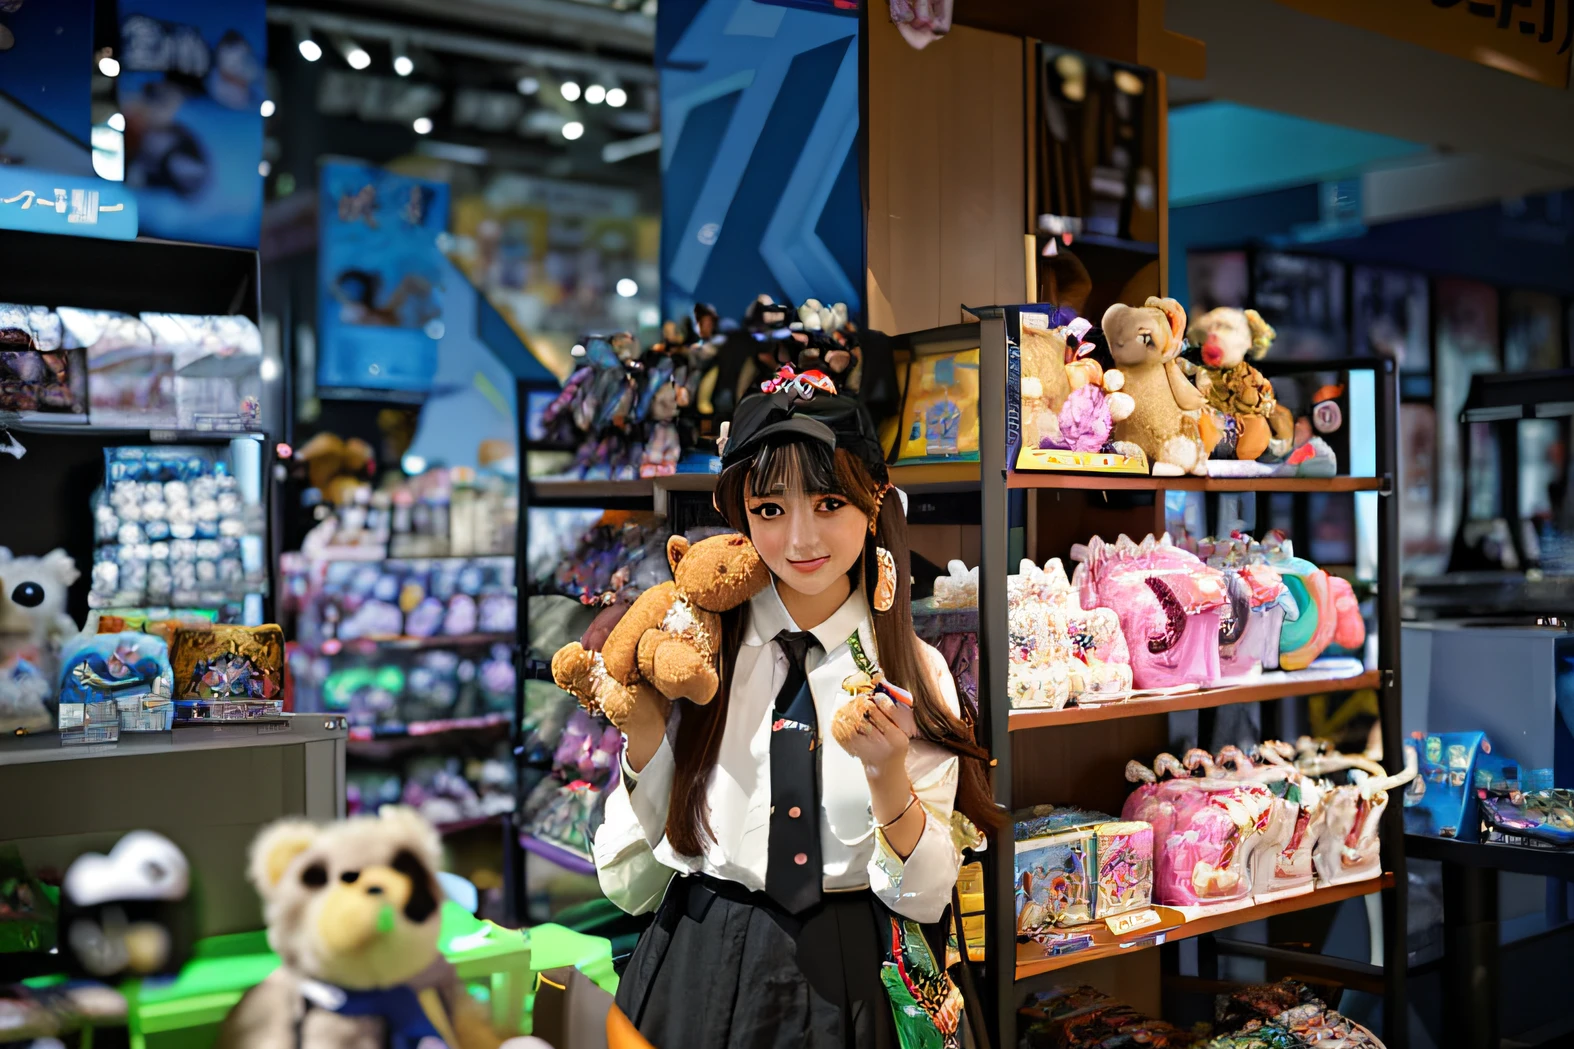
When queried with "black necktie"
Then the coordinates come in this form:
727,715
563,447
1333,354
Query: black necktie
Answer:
794,872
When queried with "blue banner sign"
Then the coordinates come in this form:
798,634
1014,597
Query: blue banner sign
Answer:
44,202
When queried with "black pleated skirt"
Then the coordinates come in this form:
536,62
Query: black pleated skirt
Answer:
723,968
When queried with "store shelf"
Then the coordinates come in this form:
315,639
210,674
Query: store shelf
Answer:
458,826
1128,482
1520,859
368,645
1256,692
134,435
569,861
918,479
418,731
186,739
559,489
1031,960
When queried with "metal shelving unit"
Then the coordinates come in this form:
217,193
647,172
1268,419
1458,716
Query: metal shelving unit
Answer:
1015,738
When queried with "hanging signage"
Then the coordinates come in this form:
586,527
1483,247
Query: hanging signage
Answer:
45,202
46,61
191,89
1528,38
380,274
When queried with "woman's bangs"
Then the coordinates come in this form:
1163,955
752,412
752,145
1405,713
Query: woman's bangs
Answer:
801,466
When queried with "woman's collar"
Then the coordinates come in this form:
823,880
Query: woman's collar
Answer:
769,617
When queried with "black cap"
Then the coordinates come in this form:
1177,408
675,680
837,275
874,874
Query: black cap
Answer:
840,422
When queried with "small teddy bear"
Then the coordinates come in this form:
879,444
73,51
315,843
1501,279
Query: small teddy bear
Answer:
353,910
583,674
1237,392
33,627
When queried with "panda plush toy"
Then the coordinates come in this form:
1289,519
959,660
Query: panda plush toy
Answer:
353,910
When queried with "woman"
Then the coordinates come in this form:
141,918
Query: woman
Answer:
777,856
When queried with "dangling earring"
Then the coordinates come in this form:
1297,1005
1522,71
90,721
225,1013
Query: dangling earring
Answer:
885,580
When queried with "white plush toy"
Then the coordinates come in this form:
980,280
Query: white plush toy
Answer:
33,626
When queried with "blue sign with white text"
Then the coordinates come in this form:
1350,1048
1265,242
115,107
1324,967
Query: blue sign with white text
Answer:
44,202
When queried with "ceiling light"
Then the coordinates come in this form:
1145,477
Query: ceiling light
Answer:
403,65
573,129
108,66
268,108
617,97
627,288
264,169
577,351
357,57
570,90
422,125
528,85
310,49
412,464
117,121
595,94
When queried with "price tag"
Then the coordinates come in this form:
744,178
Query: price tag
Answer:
1035,321
1122,924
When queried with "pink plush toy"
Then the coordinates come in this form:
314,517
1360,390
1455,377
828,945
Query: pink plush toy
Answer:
1254,617
1169,603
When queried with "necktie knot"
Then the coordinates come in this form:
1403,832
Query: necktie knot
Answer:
795,645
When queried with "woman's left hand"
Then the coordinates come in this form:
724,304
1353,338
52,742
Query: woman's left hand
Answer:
880,742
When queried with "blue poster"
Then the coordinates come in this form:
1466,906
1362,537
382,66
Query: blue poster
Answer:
380,275
48,202
760,165
46,62
191,89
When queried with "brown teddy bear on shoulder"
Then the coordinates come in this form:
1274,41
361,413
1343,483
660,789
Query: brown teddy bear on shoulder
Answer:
353,911
665,646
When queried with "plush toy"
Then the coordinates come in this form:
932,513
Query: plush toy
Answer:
337,467
1237,393
1146,342
583,674
353,910
33,626
128,913
1071,401
667,638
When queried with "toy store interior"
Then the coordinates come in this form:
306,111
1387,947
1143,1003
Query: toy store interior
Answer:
365,372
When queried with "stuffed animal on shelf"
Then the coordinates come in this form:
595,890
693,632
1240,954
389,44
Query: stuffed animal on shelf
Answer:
33,626
1167,421
1070,400
337,467
668,637
353,910
1240,398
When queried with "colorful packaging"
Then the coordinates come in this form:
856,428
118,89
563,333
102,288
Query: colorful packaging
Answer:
228,673
940,412
40,374
1441,800
1075,866
130,669
1061,652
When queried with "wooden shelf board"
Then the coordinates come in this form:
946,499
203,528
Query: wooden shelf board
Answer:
1023,720
1131,482
1032,962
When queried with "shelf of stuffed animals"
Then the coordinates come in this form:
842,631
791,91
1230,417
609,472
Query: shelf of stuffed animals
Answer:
1271,686
1177,923
1541,860
1145,483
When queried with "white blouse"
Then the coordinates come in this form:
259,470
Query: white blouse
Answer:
635,862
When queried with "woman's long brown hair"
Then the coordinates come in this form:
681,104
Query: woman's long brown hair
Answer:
811,467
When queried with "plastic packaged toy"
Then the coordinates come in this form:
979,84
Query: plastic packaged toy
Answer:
1074,866
40,373
1169,603
1543,817
217,369
131,670
1452,766
1254,617
1061,652
228,673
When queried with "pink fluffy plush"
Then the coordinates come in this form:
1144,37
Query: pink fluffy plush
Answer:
1084,422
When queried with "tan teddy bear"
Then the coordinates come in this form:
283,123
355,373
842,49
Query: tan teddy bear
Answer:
1235,389
353,910
668,639
1146,342
583,674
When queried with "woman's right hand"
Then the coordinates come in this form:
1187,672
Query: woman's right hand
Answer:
645,726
